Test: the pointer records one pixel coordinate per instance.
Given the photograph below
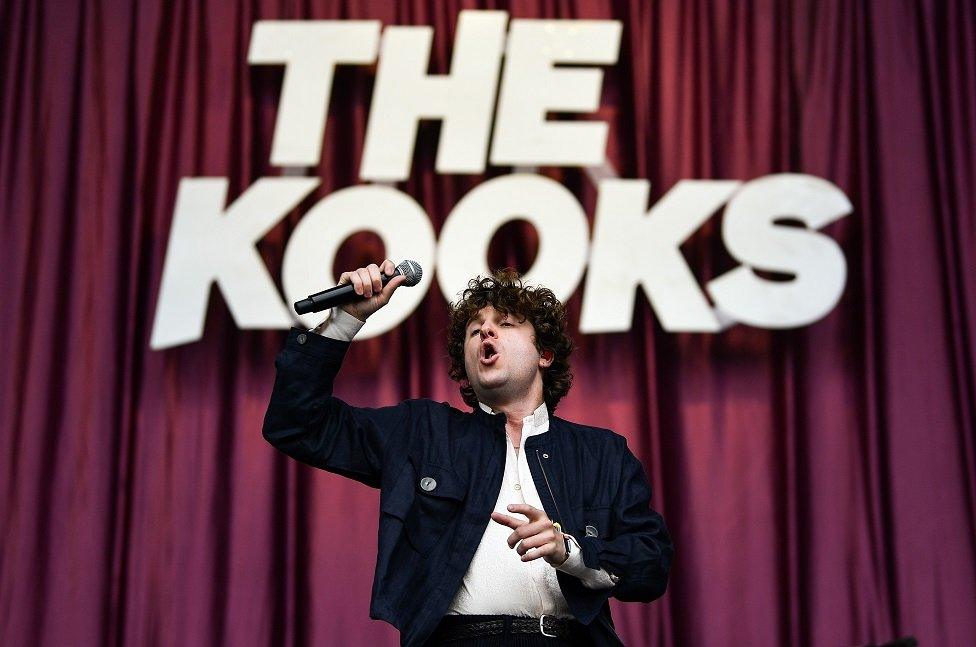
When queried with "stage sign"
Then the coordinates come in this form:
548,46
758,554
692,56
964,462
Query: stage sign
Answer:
492,105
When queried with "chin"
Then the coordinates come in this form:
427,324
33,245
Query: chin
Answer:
490,387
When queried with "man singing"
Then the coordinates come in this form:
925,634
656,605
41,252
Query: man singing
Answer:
500,526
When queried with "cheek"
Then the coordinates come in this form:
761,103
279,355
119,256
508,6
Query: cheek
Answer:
471,352
529,355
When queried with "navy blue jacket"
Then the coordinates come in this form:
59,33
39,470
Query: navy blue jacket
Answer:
585,476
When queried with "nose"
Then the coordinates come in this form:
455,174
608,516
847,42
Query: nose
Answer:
488,330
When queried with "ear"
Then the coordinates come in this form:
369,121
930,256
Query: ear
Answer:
546,357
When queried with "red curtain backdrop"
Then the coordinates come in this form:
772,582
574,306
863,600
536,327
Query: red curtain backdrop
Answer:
820,482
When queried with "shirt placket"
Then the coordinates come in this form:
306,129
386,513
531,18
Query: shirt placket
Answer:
515,475
536,574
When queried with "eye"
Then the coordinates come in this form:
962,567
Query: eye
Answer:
475,332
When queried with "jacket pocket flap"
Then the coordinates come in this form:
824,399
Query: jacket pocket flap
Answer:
437,481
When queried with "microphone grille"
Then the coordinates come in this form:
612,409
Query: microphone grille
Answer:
411,270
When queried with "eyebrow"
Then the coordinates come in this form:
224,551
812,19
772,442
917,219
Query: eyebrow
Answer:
480,318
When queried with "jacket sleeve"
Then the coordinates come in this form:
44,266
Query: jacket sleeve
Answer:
638,549
306,422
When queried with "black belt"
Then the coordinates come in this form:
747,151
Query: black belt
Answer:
461,627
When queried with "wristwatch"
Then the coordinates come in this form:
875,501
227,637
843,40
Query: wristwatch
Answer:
569,547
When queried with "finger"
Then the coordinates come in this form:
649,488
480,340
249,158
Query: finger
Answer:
388,267
506,520
548,549
375,278
366,281
528,530
534,514
390,287
353,279
535,541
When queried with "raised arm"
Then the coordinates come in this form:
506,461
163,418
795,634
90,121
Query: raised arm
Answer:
306,422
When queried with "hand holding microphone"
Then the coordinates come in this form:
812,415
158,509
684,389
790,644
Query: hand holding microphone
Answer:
363,291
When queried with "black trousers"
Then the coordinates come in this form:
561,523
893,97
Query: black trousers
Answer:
580,637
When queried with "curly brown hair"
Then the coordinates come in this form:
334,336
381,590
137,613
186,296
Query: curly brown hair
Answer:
505,291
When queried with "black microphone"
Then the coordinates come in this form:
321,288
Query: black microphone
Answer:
346,293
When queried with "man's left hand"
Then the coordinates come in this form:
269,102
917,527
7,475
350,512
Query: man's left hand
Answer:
538,532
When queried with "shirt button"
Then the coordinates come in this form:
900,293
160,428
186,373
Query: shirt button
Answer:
518,487
302,337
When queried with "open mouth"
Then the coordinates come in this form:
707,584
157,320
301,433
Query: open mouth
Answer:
488,353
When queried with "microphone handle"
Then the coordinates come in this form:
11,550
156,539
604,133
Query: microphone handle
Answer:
333,297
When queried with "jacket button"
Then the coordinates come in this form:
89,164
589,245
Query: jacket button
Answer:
302,337
427,484
591,531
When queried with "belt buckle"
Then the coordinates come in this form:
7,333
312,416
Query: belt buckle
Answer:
542,629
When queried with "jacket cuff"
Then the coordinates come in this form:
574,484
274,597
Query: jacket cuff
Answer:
590,549
308,343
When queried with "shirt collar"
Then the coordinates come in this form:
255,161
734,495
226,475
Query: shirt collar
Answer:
533,423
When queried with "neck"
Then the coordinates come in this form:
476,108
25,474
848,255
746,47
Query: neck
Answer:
514,413
514,402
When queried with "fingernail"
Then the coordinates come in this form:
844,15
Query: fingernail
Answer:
511,507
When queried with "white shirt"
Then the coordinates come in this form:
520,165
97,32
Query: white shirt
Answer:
497,581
